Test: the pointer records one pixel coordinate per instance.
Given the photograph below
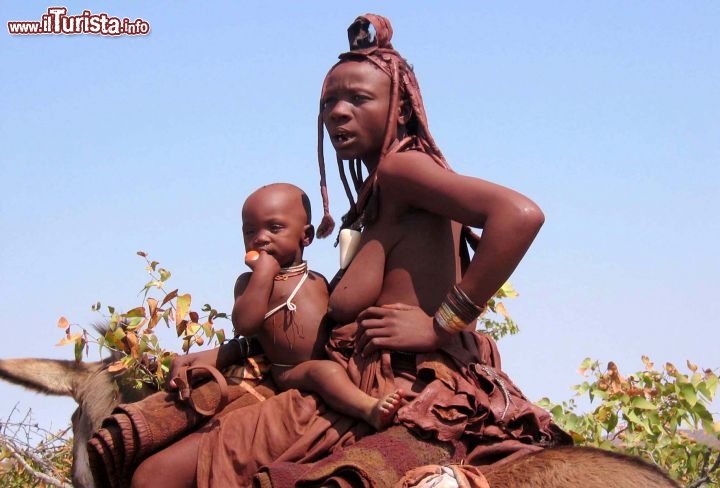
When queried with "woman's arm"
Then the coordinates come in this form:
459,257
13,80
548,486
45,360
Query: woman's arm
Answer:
252,294
510,221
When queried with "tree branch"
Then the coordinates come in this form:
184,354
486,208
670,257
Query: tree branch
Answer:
705,472
33,472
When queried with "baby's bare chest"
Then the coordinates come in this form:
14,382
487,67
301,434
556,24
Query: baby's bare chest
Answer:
291,330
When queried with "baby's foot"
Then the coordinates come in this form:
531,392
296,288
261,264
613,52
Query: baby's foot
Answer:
384,410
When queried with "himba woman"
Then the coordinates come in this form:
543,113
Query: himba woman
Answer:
405,308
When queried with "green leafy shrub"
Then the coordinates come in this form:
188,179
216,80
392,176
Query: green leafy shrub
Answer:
131,336
660,415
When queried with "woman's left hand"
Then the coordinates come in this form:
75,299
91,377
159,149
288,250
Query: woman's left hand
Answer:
397,327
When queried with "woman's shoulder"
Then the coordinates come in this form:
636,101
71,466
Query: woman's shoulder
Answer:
406,179
408,165
401,161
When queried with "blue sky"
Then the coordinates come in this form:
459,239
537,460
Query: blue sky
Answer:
604,113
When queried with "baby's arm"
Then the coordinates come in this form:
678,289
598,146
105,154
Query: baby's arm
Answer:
252,294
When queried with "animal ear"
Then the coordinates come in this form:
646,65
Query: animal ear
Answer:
308,235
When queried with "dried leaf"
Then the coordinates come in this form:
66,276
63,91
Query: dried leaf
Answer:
136,312
169,297
69,339
132,339
500,308
142,253
117,334
585,366
152,306
207,328
508,291
182,307
117,367
649,365
63,323
133,343
153,322
220,334
164,274
192,329
180,327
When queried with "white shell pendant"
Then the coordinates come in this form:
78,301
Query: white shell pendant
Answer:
349,241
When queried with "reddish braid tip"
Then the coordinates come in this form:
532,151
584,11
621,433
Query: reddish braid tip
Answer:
327,225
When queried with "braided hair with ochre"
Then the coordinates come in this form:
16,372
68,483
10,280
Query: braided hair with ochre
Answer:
369,37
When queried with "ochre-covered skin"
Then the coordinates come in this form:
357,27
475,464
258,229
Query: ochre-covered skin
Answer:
413,212
286,312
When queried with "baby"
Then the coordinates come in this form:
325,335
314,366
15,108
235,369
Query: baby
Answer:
283,305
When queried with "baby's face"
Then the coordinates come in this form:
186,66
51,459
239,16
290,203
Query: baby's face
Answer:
275,221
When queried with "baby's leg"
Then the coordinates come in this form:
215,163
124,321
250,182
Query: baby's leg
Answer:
329,380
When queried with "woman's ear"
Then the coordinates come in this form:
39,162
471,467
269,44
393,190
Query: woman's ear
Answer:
405,111
308,235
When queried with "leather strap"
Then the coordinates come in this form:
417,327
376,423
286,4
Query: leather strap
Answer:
201,395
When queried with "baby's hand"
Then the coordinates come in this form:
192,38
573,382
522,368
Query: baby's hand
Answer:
262,261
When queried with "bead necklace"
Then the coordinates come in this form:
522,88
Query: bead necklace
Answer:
291,271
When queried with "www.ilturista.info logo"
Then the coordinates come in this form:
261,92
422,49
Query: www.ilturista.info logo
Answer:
57,21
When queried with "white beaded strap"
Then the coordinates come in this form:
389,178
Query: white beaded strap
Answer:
288,303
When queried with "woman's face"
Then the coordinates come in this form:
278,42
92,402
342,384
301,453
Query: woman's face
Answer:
355,108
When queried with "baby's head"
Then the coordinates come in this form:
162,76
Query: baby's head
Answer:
276,219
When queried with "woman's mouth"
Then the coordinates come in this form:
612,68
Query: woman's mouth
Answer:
342,139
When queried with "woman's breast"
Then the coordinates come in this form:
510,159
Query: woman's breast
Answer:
362,282
408,260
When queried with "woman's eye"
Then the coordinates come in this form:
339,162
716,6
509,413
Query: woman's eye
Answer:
327,103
